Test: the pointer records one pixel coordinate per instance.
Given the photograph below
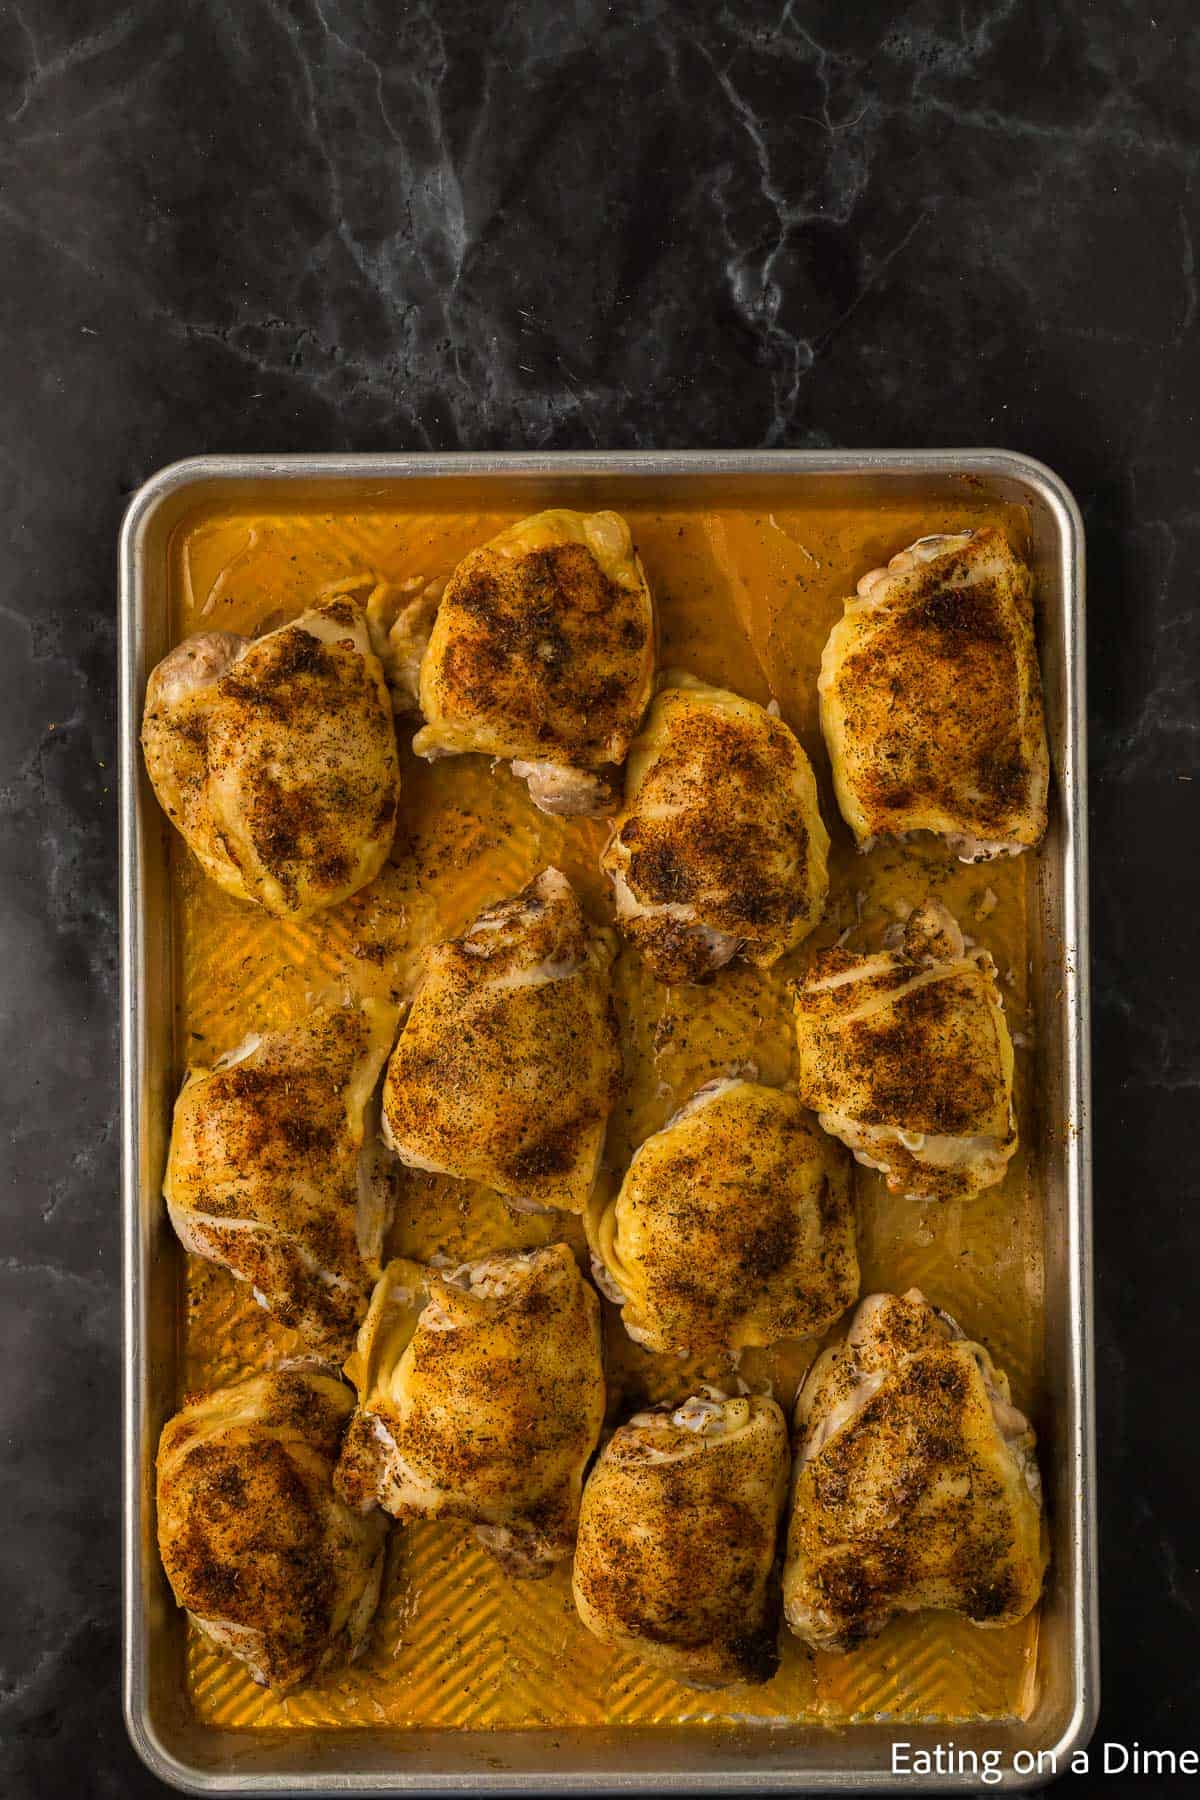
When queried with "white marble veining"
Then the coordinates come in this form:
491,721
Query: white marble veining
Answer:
332,224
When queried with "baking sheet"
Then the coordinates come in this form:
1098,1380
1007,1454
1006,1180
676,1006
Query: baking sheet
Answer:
747,593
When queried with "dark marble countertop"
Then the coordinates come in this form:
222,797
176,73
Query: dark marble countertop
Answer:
343,224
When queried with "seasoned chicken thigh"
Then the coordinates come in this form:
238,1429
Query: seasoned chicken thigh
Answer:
275,757
734,1226
269,1563
508,1064
677,1539
905,1056
916,1484
481,1397
275,1168
931,699
542,652
720,849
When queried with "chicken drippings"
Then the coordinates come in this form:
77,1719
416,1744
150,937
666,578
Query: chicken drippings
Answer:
746,600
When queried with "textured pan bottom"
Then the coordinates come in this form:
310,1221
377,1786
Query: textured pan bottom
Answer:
746,600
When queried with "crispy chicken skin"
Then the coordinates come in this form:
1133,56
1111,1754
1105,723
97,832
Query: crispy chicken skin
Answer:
916,1484
275,1168
905,1056
481,1397
720,849
268,1562
677,1539
542,652
734,1226
509,1063
275,757
931,699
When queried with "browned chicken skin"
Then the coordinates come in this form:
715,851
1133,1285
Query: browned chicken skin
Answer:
276,758
677,1539
267,1560
481,1397
509,1063
734,1226
905,1055
720,850
931,699
275,1169
916,1484
542,652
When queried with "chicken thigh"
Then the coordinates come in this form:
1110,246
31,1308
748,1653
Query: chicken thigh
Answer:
905,1056
275,757
677,1539
275,1169
481,1397
542,652
509,1064
734,1226
269,1563
720,849
916,1484
931,699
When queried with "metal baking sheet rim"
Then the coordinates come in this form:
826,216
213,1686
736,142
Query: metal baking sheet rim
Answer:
734,1771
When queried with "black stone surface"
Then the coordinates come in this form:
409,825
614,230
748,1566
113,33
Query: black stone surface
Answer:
320,224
